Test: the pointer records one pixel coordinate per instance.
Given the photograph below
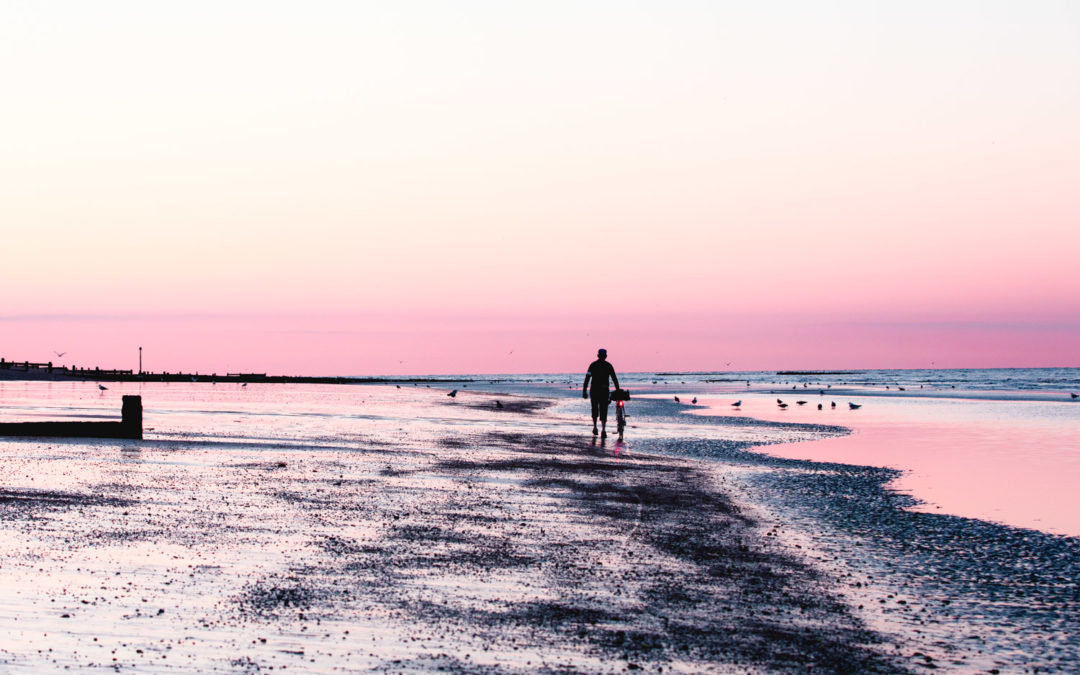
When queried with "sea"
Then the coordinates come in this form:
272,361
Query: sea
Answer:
1001,445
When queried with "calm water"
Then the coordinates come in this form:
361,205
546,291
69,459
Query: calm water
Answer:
995,444
1001,445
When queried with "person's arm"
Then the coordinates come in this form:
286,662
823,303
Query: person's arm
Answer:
614,377
585,387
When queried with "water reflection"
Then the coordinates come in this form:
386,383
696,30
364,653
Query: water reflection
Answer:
1014,462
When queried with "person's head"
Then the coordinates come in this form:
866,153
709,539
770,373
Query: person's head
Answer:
601,353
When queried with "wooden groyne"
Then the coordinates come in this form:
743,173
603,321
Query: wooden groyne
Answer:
129,426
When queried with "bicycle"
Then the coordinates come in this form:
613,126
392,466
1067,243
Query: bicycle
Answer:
620,397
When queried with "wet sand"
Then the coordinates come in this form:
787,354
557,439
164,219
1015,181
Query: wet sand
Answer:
484,540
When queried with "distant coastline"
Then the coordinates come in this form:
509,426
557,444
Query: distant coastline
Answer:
29,370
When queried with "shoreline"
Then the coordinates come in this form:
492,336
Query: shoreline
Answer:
475,549
483,540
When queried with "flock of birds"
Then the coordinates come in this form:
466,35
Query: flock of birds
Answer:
851,406
780,403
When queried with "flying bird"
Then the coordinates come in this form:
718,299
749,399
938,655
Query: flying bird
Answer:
453,394
854,406
59,354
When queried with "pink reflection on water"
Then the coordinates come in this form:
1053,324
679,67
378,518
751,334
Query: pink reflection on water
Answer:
1014,462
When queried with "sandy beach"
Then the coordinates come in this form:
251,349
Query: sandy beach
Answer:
399,530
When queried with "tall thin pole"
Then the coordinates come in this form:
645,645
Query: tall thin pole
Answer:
140,360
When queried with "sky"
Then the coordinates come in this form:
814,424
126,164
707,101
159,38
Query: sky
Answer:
491,187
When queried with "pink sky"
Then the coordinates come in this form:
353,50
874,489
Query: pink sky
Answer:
420,189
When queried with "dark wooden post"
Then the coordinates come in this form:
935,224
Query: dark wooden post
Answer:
131,414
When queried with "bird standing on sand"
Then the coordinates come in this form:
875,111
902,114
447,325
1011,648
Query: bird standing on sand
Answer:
694,400
1075,395
736,404
800,402
779,401
498,405
782,405
677,400
102,387
833,404
819,406
453,394
854,406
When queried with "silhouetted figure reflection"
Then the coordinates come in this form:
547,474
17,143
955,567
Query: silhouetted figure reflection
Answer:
599,372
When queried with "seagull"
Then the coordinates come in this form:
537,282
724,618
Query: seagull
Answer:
738,403
102,387
783,405
453,394
819,406
498,405
854,406
1075,395
901,389
244,384
779,401
800,402
677,400
695,400
833,404
59,354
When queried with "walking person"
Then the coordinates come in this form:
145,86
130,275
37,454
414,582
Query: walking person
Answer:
599,372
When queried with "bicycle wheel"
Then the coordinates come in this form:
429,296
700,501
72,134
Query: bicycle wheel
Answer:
620,419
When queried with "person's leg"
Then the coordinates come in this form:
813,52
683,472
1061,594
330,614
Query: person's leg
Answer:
602,402
595,414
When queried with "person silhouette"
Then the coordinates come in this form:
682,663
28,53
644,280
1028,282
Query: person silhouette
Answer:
599,372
